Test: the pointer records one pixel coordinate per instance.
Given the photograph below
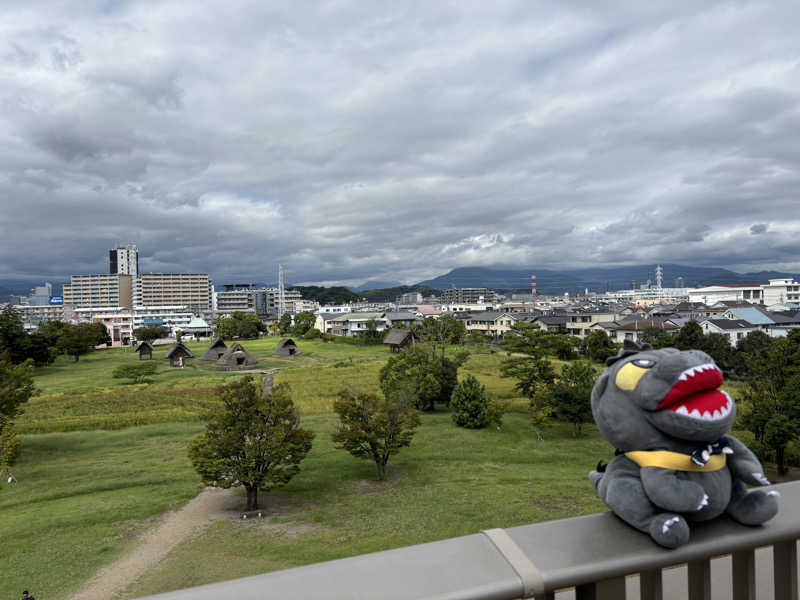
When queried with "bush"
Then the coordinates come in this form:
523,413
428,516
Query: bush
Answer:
471,405
312,334
138,373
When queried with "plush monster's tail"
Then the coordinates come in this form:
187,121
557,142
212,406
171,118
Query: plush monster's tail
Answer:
596,475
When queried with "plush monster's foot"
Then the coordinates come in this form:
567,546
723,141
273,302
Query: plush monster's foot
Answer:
594,478
669,530
753,507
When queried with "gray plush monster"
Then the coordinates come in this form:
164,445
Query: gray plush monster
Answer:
663,412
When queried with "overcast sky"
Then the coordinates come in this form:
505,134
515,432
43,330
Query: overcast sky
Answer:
397,140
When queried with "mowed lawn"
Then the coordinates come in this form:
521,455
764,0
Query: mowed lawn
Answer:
81,500
449,482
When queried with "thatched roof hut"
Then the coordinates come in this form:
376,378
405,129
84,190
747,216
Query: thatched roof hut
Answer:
178,354
145,348
401,338
237,356
287,347
215,350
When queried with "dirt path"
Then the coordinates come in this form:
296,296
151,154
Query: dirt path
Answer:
211,504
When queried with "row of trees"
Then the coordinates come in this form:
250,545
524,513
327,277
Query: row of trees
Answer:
49,340
255,439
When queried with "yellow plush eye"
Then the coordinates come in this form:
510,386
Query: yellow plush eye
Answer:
629,375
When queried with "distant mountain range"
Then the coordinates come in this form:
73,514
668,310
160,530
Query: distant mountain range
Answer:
375,285
577,280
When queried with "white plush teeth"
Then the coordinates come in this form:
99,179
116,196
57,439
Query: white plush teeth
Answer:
682,377
682,410
696,414
717,415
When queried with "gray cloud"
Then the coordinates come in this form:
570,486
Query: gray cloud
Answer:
353,141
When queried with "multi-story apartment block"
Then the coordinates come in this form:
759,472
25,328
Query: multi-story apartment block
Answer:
96,291
712,294
468,296
192,290
409,299
779,291
263,302
124,259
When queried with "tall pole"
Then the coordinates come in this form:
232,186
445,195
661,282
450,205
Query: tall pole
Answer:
281,295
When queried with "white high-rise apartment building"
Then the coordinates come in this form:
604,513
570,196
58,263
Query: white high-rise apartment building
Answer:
124,260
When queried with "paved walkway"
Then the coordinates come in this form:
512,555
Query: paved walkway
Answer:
210,505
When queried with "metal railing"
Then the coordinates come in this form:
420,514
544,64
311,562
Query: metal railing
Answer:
592,554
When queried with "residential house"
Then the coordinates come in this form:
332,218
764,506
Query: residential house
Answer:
490,323
352,324
733,329
403,319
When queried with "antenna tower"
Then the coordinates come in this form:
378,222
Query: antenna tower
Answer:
281,294
659,276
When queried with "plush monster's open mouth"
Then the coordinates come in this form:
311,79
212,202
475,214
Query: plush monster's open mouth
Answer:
695,394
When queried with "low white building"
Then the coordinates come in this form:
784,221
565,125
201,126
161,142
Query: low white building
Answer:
353,324
717,293
171,317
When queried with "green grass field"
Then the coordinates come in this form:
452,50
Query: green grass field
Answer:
101,457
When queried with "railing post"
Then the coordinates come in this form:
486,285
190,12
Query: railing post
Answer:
610,589
744,575
784,560
700,579
650,585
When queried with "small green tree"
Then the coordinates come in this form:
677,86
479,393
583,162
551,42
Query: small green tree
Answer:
285,323
528,362
303,321
441,332
572,392
149,333
16,387
374,428
253,440
137,373
472,407
541,410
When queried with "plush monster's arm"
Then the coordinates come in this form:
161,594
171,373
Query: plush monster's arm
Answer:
744,465
666,490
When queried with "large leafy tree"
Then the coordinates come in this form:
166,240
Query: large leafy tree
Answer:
16,387
14,340
690,337
771,408
77,340
599,346
571,394
441,332
303,321
751,346
239,325
374,428
421,375
657,338
253,440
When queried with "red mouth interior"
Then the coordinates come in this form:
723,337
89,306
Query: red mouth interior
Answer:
698,391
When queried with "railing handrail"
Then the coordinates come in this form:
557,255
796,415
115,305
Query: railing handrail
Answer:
562,553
